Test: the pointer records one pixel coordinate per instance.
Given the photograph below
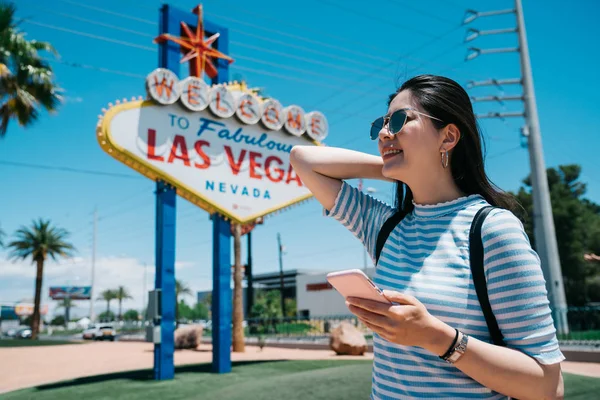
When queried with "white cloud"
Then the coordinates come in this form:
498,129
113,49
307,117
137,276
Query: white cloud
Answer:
110,272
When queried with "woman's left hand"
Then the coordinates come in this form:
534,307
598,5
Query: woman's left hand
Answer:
406,323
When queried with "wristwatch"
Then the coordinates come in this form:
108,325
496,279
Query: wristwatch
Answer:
459,350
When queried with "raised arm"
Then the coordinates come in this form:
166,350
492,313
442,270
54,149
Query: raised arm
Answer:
322,169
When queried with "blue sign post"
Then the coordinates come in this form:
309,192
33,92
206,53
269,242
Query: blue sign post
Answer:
169,57
166,195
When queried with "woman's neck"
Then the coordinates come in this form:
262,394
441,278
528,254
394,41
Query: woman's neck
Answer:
435,191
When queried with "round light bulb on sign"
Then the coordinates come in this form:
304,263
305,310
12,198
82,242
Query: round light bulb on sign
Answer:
249,109
221,102
273,116
163,86
316,126
194,93
295,122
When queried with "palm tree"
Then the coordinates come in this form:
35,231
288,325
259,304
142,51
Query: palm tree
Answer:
39,242
238,274
107,296
26,80
66,303
181,288
122,294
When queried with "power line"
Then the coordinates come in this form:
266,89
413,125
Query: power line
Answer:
262,72
67,169
375,18
100,69
58,28
381,86
377,70
102,10
295,57
278,32
422,12
502,153
271,40
323,33
89,21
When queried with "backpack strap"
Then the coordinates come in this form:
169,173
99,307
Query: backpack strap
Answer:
478,273
386,229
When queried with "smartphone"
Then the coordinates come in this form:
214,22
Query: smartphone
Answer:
355,283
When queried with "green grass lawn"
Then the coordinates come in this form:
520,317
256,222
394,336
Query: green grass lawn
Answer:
289,380
29,342
582,335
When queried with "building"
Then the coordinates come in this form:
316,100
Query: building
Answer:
314,296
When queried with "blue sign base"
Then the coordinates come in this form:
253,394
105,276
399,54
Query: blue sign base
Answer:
166,195
221,298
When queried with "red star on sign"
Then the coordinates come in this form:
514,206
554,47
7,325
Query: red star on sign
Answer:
197,48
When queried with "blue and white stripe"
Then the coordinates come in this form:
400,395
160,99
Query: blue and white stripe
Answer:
427,256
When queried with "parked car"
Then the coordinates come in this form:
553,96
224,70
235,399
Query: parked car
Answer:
99,332
24,333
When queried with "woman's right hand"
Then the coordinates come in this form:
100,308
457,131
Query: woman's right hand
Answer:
322,169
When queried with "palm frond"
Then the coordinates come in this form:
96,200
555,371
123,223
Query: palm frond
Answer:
39,242
27,82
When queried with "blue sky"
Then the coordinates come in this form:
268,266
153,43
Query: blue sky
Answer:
331,55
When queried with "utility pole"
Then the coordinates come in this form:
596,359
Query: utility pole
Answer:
92,315
249,278
543,222
281,286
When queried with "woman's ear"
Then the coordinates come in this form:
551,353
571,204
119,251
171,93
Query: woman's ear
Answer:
450,136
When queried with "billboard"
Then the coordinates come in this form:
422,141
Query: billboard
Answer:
72,292
25,309
222,147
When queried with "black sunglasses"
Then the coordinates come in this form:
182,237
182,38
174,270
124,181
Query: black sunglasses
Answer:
394,122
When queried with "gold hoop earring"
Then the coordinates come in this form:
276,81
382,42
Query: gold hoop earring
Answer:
445,159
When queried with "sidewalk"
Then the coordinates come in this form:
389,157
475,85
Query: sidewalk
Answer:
23,367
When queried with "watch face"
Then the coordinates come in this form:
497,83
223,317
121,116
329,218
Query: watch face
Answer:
222,103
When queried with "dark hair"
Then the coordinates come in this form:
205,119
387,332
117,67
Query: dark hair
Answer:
445,99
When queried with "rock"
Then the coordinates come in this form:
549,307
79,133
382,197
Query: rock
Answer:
188,337
347,340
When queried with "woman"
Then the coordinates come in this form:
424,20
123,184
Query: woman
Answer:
429,144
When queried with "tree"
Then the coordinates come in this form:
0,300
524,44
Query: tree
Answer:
238,344
267,305
184,311
207,302
577,222
200,311
108,295
290,307
131,315
67,304
26,79
181,288
121,294
1,237
58,320
39,242
106,316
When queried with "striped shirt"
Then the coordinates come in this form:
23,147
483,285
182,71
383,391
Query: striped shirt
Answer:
427,256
